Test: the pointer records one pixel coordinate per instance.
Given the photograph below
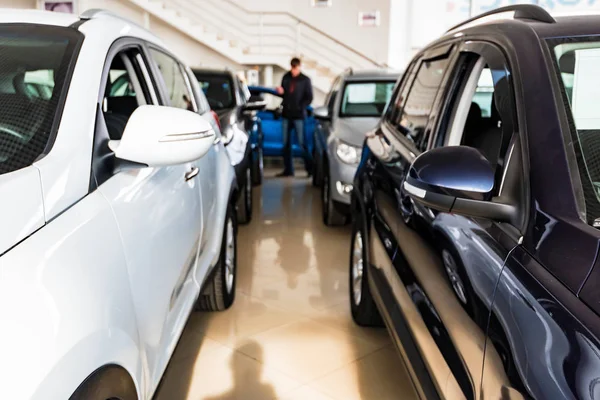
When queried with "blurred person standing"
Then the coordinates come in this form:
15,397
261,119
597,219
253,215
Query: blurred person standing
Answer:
297,92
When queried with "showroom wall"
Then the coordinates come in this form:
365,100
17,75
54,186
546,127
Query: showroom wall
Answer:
189,50
18,3
339,20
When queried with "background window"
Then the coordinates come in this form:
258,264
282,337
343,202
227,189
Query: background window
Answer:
172,74
419,103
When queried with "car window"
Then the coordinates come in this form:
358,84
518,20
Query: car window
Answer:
39,83
33,78
417,108
365,99
175,80
481,112
126,90
201,100
394,108
218,89
577,62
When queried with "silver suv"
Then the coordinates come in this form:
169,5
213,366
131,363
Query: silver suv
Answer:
352,108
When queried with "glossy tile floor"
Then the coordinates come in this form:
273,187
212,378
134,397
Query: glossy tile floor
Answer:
289,334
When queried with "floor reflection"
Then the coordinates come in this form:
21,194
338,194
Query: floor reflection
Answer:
290,334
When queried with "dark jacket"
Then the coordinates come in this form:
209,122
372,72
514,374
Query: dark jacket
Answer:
297,95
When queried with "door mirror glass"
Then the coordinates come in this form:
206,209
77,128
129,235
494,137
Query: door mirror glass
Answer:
457,179
158,136
322,113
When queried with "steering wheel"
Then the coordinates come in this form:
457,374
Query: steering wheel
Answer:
9,130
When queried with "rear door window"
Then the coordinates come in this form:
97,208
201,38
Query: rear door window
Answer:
176,83
34,75
414,116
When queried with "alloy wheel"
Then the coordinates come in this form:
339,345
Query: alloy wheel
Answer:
455,279
229,256
357,268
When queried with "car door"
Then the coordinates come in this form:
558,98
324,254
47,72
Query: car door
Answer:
270,121
158,211
456,259
544,321
208,175
404,267
324,126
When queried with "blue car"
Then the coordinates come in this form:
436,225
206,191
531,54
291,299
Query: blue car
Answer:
270,139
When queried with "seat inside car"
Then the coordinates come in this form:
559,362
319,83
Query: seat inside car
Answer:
118,104
492,135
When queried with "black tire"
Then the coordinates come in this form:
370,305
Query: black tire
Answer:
257,167
316,175
244,203
364,310
331,214
111,382
218,293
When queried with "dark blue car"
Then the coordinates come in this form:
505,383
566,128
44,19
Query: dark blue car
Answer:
476,211
271,141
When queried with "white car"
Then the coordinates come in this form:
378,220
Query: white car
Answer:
116,214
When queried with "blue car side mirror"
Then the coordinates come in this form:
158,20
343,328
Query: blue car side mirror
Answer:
456,179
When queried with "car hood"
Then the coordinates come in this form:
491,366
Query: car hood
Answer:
353,130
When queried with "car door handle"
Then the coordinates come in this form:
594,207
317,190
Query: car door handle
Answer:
191,173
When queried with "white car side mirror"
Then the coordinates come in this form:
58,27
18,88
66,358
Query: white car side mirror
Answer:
157,136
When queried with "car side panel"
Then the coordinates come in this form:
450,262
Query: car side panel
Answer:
65,294
225,181
543,336
159,215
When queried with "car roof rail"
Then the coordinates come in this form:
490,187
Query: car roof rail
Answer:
97,12
522,11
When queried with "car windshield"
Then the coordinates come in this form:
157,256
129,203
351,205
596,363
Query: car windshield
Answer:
577,61
218,90
366,99
34,65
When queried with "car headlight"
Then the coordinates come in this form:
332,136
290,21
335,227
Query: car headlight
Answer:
348,153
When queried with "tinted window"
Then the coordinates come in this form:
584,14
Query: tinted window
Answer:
393,113
33,77
366,99
419,103
201,101
175,82
578,63
218,90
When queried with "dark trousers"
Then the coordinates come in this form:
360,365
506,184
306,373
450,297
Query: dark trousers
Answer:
288,126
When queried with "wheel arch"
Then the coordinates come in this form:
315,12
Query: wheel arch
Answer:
112,375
